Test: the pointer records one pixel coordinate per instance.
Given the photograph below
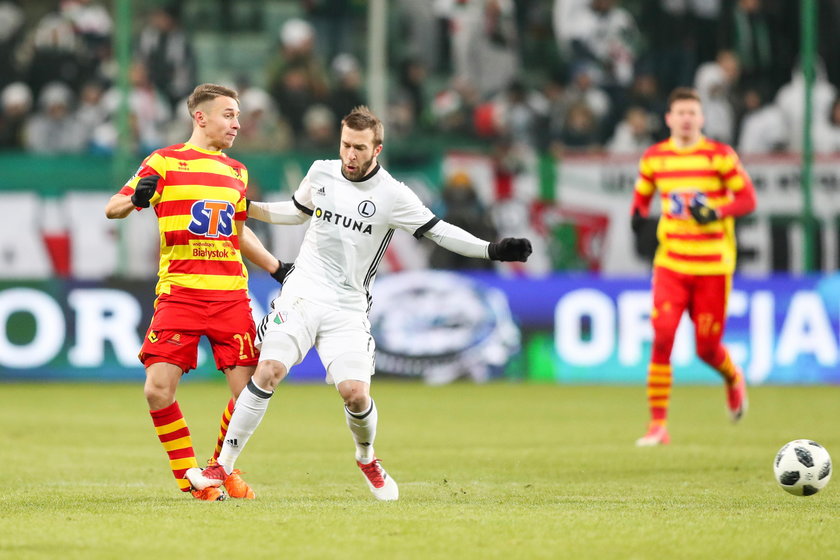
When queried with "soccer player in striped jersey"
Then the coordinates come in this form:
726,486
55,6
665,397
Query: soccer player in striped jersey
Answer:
353,206
198,195
703,188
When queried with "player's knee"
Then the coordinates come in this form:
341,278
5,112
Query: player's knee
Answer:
269,374
708,352
355,394
158,394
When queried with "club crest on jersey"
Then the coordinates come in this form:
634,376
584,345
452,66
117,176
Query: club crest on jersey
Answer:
367,208
212,218
344,221
153,337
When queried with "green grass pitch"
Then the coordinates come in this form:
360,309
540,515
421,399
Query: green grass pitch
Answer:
493,471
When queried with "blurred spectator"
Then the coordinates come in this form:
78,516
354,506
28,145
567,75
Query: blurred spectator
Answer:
645,93
568,22
485,45
422,34
260,129
91,111
167,53
333,22
583,90
607,39
763,128
55,53
453,107
827,132
15,104
632,135
347,91
408,104
523,116
671,55
749,31
92,23
296,74
320,127
463,209
717,83
11,36
579,134
791,100
149,114
54,129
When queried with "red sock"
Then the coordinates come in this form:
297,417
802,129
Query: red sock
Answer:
174,434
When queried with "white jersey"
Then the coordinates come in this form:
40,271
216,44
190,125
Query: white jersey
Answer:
351,224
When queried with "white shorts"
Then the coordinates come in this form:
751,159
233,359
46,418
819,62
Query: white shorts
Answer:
342,338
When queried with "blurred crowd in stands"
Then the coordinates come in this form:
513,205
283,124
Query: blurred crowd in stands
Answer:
556,76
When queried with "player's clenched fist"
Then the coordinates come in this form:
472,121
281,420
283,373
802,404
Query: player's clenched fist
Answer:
144,191
510,249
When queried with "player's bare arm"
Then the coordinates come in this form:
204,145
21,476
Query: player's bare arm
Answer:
118,207
253,250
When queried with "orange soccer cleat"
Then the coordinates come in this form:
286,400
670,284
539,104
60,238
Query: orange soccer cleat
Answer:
657,434
233,483
209,494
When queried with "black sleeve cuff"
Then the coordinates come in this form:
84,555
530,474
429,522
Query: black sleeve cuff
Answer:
426,227
301,207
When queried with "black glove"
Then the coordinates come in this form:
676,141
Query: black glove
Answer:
282,271
700,212
637,222
144,191
510,249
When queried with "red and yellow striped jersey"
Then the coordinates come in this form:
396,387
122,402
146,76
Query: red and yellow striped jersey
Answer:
708,167
200,196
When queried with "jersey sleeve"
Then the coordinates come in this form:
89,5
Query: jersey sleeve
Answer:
241,206
303,195
645,185
732,173
411,215
154,164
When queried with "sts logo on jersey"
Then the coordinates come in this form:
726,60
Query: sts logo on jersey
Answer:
212,218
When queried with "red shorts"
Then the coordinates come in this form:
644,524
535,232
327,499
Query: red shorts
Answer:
704,297
178,325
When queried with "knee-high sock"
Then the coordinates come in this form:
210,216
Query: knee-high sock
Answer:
363,427
223,427
727,369
247,414
659,391
174,434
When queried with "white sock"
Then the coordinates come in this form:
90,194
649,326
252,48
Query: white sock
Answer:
247,414
363,427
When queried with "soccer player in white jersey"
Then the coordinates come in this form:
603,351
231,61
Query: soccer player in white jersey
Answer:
353,205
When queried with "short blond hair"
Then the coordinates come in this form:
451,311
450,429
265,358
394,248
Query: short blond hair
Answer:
208,92
362,118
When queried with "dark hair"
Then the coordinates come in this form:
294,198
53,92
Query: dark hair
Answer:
682,93
362,118
208,92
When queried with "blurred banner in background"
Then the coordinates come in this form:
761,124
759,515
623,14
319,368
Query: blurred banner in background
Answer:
570,329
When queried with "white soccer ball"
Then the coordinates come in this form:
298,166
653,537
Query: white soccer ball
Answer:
802,467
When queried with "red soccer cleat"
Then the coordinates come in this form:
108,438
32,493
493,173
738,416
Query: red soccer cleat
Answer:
657,434
209,494
380,483
736,397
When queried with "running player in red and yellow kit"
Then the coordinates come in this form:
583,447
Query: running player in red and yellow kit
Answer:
198,195
703,188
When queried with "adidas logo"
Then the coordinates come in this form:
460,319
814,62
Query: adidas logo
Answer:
233,442
321,191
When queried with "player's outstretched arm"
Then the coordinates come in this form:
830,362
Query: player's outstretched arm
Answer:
119,206
253,250
285,212
464,243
